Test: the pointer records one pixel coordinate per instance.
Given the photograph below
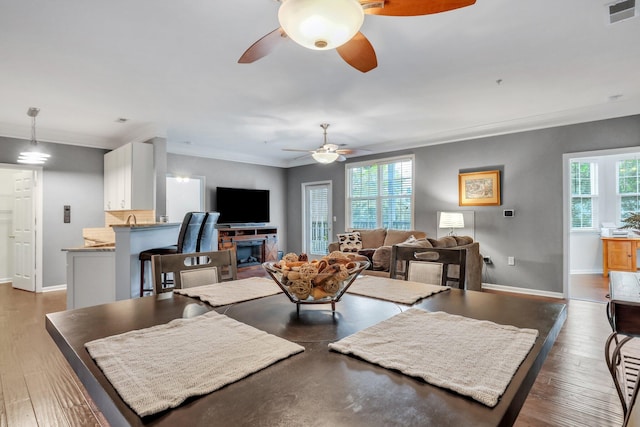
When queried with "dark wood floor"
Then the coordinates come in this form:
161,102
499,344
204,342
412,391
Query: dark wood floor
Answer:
38,388
589,287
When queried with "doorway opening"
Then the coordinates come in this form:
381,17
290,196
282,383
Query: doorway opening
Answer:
20,231
317,218
592,200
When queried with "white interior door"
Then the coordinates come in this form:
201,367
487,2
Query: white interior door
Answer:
317,218
24,231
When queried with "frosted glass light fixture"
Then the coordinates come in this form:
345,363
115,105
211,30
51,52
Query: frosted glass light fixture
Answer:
451,220
325,156
34,156
321,24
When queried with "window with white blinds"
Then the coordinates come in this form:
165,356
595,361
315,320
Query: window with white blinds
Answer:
584,190
380,194
628,179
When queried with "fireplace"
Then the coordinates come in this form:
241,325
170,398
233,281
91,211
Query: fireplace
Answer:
249,252
253,246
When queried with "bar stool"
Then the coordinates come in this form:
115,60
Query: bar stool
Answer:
208,238
187,242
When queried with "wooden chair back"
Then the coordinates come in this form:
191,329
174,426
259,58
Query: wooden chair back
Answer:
192,269
452,261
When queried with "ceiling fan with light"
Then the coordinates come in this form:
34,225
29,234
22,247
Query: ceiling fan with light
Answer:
328,153
335,24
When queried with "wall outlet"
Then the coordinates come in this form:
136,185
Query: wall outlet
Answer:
487,260
511,260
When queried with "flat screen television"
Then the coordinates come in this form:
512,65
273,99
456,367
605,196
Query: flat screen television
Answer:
242,205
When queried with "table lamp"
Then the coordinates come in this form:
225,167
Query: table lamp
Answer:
451,220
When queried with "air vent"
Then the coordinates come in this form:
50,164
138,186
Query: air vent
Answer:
621,11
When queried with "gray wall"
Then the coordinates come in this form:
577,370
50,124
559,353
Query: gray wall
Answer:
532,185
72,176
531,165
220,173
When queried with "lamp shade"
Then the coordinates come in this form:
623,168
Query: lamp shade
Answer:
321,24
325,156
451,220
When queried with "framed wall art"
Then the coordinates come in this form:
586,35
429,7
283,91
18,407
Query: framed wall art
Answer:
479,188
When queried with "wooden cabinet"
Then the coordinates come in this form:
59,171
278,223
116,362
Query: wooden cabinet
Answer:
619,253
129,178
252,246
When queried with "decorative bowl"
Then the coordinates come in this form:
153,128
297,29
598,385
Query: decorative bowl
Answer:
318,290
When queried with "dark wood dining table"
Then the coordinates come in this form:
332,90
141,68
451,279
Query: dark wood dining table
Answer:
317,387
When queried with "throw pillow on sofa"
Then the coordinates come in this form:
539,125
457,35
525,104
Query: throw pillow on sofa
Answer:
444,242
396,237
373,238
350,242
382,256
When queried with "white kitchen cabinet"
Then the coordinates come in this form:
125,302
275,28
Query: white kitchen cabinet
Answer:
129,177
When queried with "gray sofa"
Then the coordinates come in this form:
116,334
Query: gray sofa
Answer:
376,246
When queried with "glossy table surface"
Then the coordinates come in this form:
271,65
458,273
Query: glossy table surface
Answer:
317,387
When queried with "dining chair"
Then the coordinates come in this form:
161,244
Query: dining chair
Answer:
187,243
451,263
193,269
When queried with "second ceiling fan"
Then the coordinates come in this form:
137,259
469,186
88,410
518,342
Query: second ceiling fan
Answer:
328,153
335,24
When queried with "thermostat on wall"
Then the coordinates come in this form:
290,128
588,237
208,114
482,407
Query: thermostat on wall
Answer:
508,213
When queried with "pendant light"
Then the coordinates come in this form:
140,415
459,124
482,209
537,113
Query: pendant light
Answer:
33,156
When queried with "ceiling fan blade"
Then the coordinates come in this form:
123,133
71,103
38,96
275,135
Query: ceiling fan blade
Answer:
358,52
412,7
294,149
302,157
347,151
263,47
341,158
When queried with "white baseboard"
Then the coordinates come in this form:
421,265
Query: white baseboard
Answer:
586,271
55,288
524,291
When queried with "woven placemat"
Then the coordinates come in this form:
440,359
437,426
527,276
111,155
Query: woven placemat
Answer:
232,292
400,291
158,368
474,358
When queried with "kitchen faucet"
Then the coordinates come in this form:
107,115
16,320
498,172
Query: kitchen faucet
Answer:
135,220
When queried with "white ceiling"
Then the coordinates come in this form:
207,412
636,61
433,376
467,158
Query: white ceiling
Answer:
170,67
